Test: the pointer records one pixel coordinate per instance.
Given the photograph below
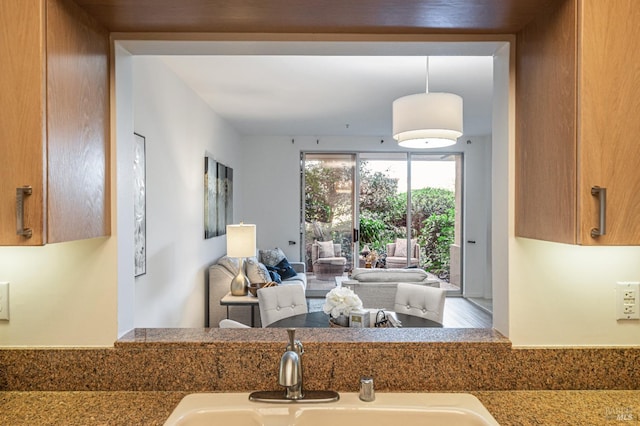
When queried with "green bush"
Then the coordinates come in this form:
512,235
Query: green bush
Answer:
374,233
436,237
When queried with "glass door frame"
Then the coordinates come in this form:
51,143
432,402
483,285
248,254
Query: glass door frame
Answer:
355,240
354,200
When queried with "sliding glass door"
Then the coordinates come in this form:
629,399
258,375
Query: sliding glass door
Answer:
407,213
436,214
328,203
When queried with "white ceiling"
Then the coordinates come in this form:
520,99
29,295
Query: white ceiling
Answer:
318,91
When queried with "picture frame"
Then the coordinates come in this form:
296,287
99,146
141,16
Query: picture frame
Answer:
218,197
139,205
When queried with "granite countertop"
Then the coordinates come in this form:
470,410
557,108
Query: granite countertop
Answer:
585,407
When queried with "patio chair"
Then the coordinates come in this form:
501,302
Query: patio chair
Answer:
326,260
396,259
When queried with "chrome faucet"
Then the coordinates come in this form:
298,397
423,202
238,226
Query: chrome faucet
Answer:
290,376
290,373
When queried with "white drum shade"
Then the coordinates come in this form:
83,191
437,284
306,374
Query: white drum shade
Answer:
241,240
427,120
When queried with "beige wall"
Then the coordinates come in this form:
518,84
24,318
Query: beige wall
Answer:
60,294
563,295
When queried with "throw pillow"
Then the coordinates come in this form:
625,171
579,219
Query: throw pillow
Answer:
271,257
256,271
275,276
325,249
230,264
401,247
285,270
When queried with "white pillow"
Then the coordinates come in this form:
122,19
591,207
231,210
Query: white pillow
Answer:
256,271
272,257
229,263
325,249
401,247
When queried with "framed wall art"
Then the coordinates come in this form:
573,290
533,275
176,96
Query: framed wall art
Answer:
218,197
140,204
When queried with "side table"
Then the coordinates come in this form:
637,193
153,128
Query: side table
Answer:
248,300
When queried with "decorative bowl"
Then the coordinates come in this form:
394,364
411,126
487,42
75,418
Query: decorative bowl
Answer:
253,287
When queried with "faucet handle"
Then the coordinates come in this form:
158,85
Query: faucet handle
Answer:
292,339
367,392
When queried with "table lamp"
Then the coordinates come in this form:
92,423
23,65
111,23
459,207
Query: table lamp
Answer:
241,243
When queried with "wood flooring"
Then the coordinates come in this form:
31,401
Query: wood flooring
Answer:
460,313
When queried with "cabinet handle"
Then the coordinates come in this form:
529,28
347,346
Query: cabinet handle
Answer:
601,193
20,194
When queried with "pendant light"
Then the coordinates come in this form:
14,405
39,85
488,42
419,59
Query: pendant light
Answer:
427,120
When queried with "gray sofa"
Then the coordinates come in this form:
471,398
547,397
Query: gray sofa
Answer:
377,287
220,277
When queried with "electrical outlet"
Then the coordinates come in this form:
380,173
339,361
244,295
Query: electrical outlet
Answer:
4,301
627,300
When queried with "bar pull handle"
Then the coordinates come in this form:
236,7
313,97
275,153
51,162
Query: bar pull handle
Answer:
20,194
601,193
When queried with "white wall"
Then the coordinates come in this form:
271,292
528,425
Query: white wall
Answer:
477,218
179,129
122,190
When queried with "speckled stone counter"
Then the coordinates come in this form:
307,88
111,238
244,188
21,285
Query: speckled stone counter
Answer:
211,360
518,408
143,377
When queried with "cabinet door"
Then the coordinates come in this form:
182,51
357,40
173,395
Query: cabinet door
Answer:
54,98
609,123
546,144
22,117
578,100
77,124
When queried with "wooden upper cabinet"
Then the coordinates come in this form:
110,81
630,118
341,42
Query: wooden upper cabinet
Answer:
54,123
577,103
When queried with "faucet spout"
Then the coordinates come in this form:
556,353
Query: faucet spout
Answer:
290,375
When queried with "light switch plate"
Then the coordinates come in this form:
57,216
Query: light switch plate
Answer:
4,301
628,300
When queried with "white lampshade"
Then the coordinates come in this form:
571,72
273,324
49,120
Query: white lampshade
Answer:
427,120
241,240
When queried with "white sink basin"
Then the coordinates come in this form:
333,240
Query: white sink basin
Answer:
406,409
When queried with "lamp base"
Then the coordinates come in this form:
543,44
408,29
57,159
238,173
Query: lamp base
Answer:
240,283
